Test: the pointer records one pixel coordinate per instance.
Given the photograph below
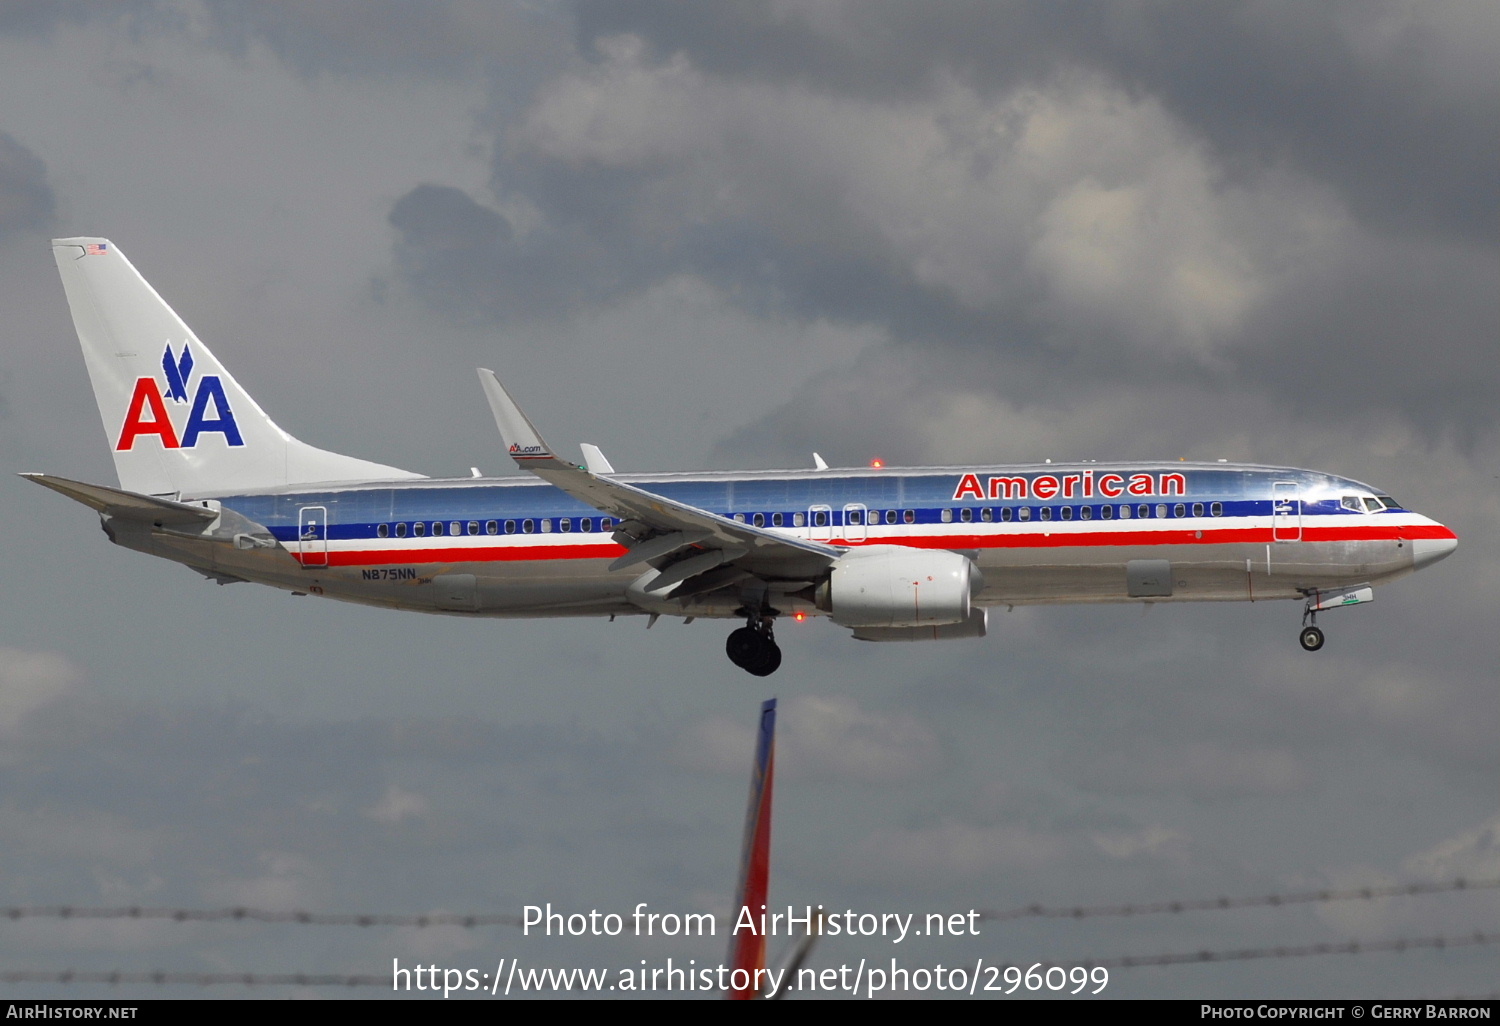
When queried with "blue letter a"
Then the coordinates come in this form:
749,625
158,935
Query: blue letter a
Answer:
210,388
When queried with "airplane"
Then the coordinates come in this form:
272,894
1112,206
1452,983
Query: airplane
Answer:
207,479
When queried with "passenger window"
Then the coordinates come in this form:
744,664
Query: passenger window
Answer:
400,530
1197,509
585,523
1085,512
966,514
799,519
739,517
455,528
1025,513
1124,512
890,516
776,519
1217,509
758,520
947,516
419,529
1106,512
1161,509
528,526
437,528
382,531
510,527
546,523
473,527
565,524
1143,510
987,515
1067,512
820,518
1005,514
1179,510
491,527
1046,512
909,515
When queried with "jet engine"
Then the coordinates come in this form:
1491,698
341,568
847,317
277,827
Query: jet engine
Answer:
896,586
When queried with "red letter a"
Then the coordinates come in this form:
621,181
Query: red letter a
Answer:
147,393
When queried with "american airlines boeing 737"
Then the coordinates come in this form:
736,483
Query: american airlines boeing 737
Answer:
207,479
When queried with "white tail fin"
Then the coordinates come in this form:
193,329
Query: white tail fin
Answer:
177,421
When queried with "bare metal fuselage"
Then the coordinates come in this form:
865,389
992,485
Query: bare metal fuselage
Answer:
518,548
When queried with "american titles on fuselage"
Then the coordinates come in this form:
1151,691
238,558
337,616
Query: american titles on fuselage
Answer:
1082,485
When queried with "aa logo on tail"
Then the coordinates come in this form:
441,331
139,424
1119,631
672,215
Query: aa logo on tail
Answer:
147,413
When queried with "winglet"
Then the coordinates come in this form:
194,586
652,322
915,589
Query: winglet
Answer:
520,436
595,460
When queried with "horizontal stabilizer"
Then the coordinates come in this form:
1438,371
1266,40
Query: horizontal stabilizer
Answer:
116,502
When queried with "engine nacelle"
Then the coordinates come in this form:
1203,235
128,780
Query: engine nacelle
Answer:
896,586
973,627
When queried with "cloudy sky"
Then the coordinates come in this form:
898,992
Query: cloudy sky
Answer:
725,236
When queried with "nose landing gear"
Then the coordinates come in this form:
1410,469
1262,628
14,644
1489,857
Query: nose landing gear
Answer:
1311,637
753,647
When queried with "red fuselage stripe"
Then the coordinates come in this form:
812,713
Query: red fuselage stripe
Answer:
1055,540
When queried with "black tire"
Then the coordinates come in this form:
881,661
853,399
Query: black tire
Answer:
769,661
743,647
1311,638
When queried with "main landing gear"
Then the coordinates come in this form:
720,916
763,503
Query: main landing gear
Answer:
753,647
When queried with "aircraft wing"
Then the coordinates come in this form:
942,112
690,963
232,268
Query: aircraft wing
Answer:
117,502
692,548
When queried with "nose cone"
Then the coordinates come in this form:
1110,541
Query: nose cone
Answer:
1426,551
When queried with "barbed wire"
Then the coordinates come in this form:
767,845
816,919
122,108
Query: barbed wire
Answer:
258,915
1222,904
1397,946
164,978
472,921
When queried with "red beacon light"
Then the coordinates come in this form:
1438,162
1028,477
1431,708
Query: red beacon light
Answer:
877,463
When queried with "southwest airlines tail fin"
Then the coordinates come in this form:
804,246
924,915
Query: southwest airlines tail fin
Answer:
177,421
747,951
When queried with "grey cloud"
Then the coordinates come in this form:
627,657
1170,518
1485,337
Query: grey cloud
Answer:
26,200
1389,101
374,37
27,19
467,260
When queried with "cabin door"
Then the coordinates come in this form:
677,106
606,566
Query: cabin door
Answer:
312,535
1286,512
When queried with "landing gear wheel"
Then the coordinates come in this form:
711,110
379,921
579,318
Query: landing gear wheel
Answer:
1311,638
753,650
743,646
770,659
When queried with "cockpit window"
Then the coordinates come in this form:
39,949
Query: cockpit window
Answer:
1373,505
1352,502
1390,503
